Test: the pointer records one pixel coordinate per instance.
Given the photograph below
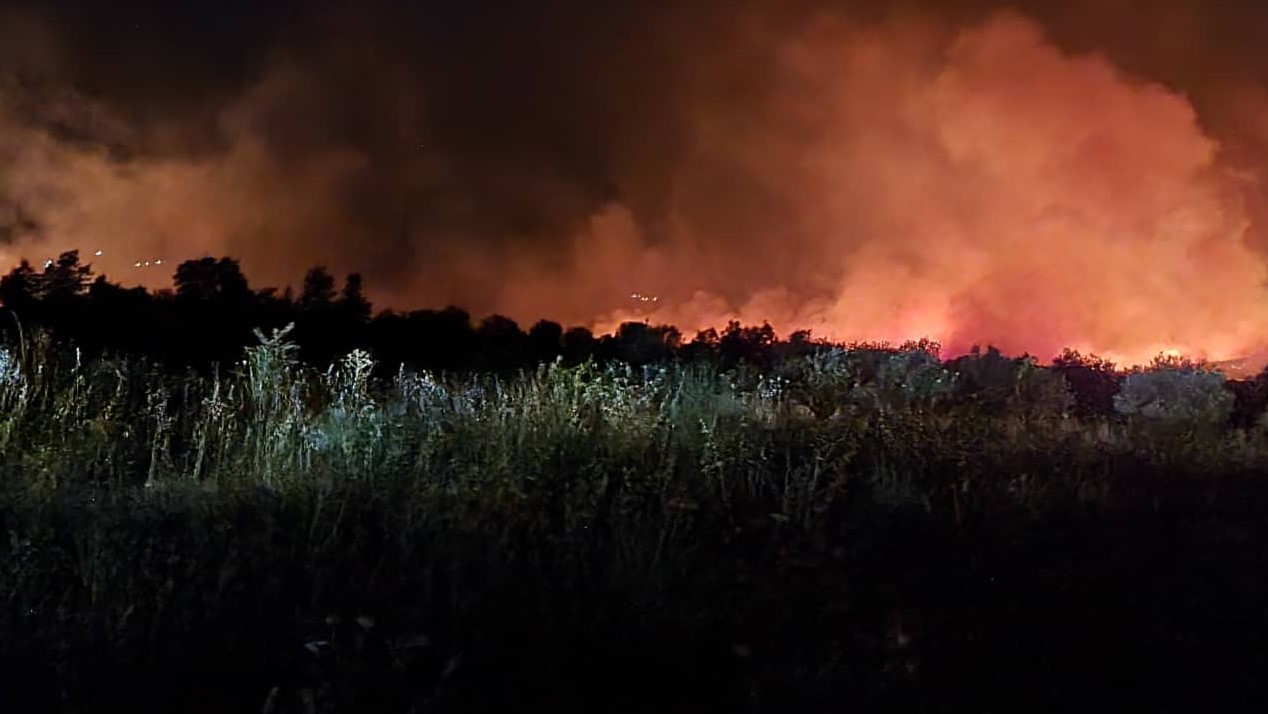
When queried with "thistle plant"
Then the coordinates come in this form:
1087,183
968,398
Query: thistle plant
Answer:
591,442
275,410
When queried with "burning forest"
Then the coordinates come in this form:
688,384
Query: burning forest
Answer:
738,356
973,175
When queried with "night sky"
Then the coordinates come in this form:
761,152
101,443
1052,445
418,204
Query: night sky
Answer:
1036,174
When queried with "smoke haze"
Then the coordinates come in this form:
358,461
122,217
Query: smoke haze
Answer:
1034,176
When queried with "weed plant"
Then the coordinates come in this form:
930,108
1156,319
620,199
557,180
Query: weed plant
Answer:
276,538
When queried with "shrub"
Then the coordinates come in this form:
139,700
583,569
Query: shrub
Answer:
1182,394
1250,400
999,384
10,371
912,378
633,484
1042,391
1094,381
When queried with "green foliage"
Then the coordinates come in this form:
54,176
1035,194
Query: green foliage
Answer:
680,431
869,379
914,378
1000,384
124,485
273,410
1176,393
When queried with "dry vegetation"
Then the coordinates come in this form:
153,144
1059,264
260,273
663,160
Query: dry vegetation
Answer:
858,525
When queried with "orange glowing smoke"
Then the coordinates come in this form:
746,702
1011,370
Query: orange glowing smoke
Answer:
869,181
997,192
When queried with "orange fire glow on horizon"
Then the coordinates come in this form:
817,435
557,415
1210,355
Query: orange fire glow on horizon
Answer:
869,181
1001,193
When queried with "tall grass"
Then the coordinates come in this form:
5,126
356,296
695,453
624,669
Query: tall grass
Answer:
561,444
127,489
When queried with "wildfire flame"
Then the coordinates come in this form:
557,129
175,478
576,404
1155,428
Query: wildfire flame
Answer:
870,180
1005,193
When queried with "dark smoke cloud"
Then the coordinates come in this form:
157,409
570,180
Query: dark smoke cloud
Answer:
1039,174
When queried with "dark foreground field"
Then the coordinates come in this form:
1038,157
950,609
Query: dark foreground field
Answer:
860,531
214,605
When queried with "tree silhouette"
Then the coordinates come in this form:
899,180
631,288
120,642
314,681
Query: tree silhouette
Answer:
328,324
1093,380
639,343
746,344
209,315
546,341
209,279
579,345
704,348
18,288
319,290
353,303
52,289
63,279
1250,400
217,310
501,343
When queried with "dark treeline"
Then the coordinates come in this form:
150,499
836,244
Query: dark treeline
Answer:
211,313
169,547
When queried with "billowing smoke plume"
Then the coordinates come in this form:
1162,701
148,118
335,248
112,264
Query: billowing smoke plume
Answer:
989,189
287,173
978,176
